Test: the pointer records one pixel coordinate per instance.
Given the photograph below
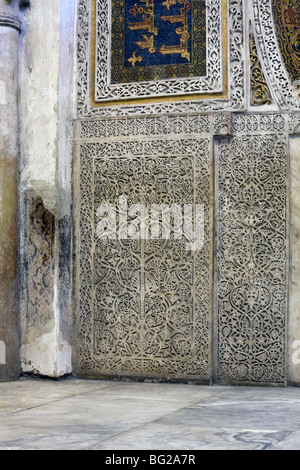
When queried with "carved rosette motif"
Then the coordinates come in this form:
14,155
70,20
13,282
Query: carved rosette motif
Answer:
252,253
144,305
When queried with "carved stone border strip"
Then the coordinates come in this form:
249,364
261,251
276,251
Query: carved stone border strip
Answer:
272,62
203,124
271,123
221,124
236,78
211,83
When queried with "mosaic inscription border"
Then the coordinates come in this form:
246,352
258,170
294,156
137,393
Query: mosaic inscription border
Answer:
212,82
236,77
149,55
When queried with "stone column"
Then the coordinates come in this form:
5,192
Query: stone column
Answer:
9,148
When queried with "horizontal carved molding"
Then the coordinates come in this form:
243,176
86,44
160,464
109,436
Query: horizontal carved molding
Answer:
201,124
10,21
269,123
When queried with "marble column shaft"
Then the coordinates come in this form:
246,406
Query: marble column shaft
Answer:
9,149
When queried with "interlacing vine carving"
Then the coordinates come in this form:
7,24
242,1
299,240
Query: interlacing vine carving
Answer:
260,93
252,259
144,306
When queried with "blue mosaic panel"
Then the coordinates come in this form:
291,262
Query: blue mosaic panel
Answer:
160,33
157,39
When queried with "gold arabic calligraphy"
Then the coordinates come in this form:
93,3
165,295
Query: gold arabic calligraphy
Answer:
148,16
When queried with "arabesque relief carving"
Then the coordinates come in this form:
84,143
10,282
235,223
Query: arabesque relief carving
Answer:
144,304
252,256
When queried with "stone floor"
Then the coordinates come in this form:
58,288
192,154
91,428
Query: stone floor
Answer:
77,414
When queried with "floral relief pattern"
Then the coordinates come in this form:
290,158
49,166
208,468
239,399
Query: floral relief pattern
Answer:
252,259
144,305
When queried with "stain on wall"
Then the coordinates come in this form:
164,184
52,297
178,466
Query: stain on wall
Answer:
40,262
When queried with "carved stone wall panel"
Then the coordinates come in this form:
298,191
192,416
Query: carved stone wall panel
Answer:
252,255
144,305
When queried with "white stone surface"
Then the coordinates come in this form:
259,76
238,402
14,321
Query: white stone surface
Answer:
39,356
109,415
2,353
2,92
39,99
294,301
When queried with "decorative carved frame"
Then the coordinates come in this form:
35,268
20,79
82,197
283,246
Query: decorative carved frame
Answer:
233,100
211,83
110,140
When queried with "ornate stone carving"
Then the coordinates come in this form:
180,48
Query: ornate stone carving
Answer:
219,124
144,305
252,253
24,3
260,93
139,310
272,62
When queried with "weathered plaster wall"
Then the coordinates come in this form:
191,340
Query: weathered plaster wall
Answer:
45,195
